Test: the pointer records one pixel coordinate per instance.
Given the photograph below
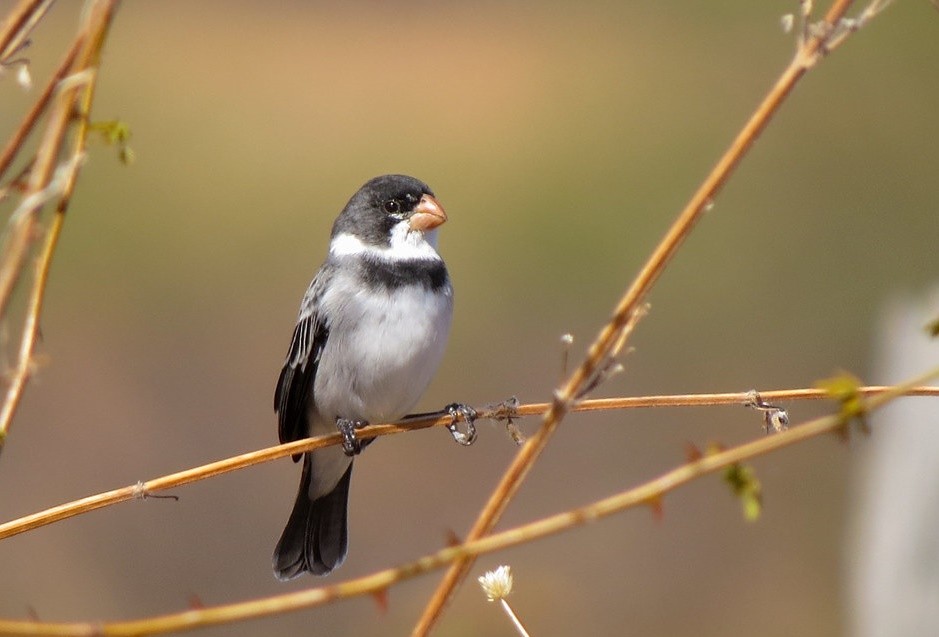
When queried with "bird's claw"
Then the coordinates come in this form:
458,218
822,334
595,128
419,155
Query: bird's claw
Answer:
351,445
458,412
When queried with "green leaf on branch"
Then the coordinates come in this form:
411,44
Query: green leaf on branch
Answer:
845,389
743,483
115,132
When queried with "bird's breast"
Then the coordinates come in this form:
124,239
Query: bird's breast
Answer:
384,346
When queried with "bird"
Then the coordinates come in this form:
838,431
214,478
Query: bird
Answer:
370,334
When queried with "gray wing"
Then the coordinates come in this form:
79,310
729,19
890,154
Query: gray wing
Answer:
295,385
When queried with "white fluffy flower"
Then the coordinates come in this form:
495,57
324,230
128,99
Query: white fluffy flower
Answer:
497,584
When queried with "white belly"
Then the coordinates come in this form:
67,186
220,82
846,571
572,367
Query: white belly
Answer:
381,356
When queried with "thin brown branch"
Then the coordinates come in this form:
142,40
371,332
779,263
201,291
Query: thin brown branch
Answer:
22,132
379,582
631,301
75,94
711,400
164,483
848,26
16,27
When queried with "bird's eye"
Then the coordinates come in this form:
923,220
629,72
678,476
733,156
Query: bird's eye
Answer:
392,206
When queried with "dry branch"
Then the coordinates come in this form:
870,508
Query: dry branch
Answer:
378,583
72,90
16,27
142,489
806,56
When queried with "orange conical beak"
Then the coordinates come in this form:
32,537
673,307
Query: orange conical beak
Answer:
427,215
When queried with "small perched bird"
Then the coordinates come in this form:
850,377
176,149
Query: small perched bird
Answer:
371,331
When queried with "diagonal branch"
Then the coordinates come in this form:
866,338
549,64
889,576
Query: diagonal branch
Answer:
378,583
142,490
76,92
15,30
805,58
29,121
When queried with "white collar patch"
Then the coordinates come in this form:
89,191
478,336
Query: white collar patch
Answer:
405,244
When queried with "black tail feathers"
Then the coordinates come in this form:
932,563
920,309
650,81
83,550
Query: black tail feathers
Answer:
316,537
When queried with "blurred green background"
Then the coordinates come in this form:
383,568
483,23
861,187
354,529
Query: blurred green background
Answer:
562,138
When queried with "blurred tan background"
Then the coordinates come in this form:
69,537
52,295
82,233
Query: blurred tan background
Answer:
562,138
